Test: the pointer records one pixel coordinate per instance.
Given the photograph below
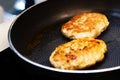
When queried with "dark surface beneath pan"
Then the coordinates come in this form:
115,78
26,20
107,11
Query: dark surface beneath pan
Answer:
37,31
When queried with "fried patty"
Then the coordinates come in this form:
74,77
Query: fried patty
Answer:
78,54
86,24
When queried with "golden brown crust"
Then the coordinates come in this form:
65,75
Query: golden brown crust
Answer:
86,24
78,54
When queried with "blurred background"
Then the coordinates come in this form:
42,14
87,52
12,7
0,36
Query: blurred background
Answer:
14,7
7,4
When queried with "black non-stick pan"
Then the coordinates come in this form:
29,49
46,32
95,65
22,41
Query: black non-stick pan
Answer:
37,32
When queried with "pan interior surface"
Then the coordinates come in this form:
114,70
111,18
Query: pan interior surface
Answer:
44,36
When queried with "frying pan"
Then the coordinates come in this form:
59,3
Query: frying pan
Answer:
36,32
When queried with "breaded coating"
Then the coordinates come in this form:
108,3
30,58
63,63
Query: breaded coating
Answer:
86,24
78,54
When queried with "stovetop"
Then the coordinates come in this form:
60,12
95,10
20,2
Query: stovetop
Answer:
12,67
